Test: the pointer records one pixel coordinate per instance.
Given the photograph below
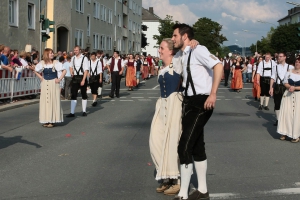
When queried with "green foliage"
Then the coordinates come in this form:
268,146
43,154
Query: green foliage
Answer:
207,32
165,29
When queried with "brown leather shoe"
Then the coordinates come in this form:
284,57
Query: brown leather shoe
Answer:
173,190
295,140
197,195
162,187
282,137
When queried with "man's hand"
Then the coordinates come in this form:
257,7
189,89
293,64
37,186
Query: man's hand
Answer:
57,80
292,89
271,91
210,102
100,80
82,83
121,72
193,44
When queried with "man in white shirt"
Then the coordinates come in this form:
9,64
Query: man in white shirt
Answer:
227,66
264,72
95,76
116,64
202,73
277,87
79,68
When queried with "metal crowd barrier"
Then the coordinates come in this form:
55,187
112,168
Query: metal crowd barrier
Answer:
11,87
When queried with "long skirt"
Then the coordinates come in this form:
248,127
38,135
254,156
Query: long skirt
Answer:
130,77
289,115
237,81
164,136
256,88
145,72
50,106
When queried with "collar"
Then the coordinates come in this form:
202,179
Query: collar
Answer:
186,50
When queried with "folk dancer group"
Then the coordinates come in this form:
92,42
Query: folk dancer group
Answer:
177,129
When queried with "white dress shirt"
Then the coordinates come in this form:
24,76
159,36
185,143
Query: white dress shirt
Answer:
282,70
116,63
77,62
93,65
265,73
202,63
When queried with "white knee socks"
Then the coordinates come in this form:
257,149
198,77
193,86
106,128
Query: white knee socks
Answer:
267,101
84,103
277,114
201,168
99,90
185,173
262,100
73,106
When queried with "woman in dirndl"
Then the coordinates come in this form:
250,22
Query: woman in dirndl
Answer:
145,69
256,86
131,73
50,106
289,114
166,123
237,78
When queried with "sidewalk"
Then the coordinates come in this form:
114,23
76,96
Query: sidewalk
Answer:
17,104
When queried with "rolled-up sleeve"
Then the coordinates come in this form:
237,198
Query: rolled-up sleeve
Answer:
259,68
205,57
85,64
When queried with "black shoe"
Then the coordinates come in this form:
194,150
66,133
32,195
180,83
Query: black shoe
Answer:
84,114
260,107
118,96
255,98
94,104
70,115
197,195
276,123
266,108
111,96
99,96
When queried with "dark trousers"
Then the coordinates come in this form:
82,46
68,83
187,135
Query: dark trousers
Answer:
226,74
115,83
264,86
68,81
74,90
194,117
278,91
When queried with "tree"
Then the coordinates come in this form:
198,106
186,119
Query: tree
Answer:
285,38
165,29
207,32
264,45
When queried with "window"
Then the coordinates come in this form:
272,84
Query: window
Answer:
96,41
129,25
133,27
133,7
79,6
109,43
89,1
102,12
31,16
79,37
110,16
140,11
130,4
13,12
88,26
129,46
102,42
115,7
123,45
97,10
105,14
119,21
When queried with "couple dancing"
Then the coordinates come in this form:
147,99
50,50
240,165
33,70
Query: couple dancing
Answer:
180,117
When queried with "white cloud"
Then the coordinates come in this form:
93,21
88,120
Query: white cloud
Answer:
181,12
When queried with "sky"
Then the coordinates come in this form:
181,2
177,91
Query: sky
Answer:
235,16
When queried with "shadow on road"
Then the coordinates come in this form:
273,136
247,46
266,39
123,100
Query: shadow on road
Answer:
9,141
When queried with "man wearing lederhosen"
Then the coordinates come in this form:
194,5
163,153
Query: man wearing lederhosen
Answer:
227,64
95,76
116,64
99,57
277,87
79,68
264,72
202,73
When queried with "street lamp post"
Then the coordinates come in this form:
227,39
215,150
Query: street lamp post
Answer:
256,40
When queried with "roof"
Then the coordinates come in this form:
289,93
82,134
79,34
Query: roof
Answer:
147,15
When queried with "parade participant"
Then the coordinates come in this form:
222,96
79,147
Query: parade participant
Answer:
202,74
256,86
95,76
131,73
277,87
227,63
145,69
79,68
116,69
289,114
68,78
237,79
100,57
151,65
50,105
138,69
264,72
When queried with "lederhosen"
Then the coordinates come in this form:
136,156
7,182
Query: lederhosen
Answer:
94,79
194,117
265,82
76,80
278,90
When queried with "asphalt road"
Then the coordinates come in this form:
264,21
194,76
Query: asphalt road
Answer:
106,154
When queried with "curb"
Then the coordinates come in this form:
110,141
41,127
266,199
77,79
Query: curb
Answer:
18,105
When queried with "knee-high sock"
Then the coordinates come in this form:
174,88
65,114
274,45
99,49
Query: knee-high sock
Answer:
99,90
262,100
277,114
73,106
201,168
84,103
185,174
267,101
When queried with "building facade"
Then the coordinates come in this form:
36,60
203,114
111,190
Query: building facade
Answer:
152,22
106,25
19,24
292,17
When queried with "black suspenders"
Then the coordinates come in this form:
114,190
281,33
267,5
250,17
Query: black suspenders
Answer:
189,77
95,71
264,68
277,77
80,69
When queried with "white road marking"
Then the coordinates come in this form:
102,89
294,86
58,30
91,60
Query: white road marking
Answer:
218,99
246,99
145,99
126,100
137,97
107,100
223,195
153,97
155,87
123,97
283,191
227,99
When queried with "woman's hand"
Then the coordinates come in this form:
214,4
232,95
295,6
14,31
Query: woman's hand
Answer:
57,80
292,89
